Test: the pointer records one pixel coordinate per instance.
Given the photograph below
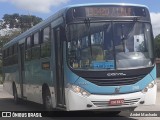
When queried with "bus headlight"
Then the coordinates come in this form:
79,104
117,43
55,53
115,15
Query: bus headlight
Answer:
150,85
78,90
145,90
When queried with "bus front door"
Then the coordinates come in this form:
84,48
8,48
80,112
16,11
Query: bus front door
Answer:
60,94
21,69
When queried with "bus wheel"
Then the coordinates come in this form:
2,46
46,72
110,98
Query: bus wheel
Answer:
15,96
47,102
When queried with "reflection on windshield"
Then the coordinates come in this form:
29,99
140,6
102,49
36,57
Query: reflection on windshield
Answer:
109,46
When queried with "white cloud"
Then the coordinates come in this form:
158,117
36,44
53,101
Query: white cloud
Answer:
155,18
43,6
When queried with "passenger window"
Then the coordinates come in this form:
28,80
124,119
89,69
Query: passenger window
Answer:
46,34
28,42
10,51
15,49
15,55
45,49
36,38
5,53
28,49
36,52
46,44
36,46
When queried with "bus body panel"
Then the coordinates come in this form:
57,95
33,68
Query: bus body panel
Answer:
36,76
11,75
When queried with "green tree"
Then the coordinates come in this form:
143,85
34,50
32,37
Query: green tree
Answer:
157,46
23,22
28,21
6,38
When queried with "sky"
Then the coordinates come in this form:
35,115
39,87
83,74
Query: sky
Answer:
45,8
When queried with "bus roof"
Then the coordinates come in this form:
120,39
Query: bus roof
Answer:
59,14
118,4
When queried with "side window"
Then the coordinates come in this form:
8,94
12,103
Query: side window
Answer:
46,43
10,51
15,54
15,49
36,38
46,34
10,55
4,57
28,48
28,42
36,46
7,54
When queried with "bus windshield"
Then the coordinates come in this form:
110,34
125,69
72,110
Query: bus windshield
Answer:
109,45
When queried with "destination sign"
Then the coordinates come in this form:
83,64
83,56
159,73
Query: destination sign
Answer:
108,11
114,11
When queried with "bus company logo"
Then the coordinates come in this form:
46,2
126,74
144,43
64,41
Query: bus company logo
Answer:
117,89
116,74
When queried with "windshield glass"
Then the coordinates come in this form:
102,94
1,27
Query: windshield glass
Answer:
107,45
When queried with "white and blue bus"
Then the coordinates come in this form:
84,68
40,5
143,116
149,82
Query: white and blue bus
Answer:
85,57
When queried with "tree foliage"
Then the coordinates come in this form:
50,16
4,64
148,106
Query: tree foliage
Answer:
157,46
6,38
23,22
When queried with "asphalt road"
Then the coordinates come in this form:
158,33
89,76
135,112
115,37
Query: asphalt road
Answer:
7,104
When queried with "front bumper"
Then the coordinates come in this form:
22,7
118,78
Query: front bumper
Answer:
75,101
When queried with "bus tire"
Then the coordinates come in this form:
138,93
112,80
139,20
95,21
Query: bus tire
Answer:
15,95
47,102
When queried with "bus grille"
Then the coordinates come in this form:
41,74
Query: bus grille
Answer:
106,103
115,81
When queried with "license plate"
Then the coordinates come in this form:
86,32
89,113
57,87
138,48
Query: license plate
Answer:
116,102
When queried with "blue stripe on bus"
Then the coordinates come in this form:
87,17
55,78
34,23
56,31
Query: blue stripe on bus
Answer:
153,73
69,76
94,89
